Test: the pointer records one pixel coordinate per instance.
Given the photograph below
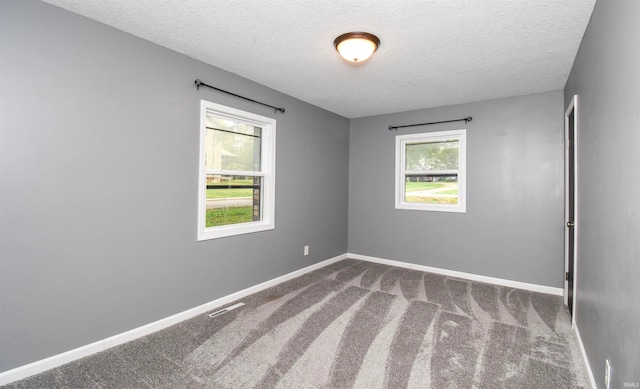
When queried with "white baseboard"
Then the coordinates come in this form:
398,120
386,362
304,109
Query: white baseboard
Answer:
468,276
101,345
584,357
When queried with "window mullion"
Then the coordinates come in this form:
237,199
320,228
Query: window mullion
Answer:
236,172
430,172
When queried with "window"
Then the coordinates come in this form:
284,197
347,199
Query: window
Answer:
430,171
237,172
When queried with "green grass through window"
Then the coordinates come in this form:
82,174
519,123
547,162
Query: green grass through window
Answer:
226,216
229,193
432,200
411,186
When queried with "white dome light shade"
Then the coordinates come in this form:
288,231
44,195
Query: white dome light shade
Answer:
356,46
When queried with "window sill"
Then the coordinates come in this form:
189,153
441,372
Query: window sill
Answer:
432,207
234,229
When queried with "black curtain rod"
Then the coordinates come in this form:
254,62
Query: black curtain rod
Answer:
200,83
231,132
466,120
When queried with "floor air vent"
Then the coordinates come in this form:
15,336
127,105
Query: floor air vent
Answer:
227,309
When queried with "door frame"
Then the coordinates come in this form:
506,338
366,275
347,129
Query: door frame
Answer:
573,106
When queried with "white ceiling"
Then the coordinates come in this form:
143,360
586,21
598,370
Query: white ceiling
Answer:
432,52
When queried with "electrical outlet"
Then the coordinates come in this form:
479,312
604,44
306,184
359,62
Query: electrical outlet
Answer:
306,250
607,374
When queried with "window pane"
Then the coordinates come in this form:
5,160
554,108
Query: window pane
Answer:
432,189
231,145
439,155
232,199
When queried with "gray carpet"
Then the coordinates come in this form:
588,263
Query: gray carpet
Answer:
352,324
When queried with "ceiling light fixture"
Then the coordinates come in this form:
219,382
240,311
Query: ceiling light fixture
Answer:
356,46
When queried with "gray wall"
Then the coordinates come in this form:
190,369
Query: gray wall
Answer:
99,166
513,227
606,78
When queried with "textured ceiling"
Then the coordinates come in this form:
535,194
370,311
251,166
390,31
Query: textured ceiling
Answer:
432,52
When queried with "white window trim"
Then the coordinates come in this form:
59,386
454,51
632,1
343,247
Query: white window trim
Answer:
401,142
267,172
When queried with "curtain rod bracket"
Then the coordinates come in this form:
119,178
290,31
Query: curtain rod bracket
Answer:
466,120
199,83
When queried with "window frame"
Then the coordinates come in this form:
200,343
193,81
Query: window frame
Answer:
401,172
266,172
